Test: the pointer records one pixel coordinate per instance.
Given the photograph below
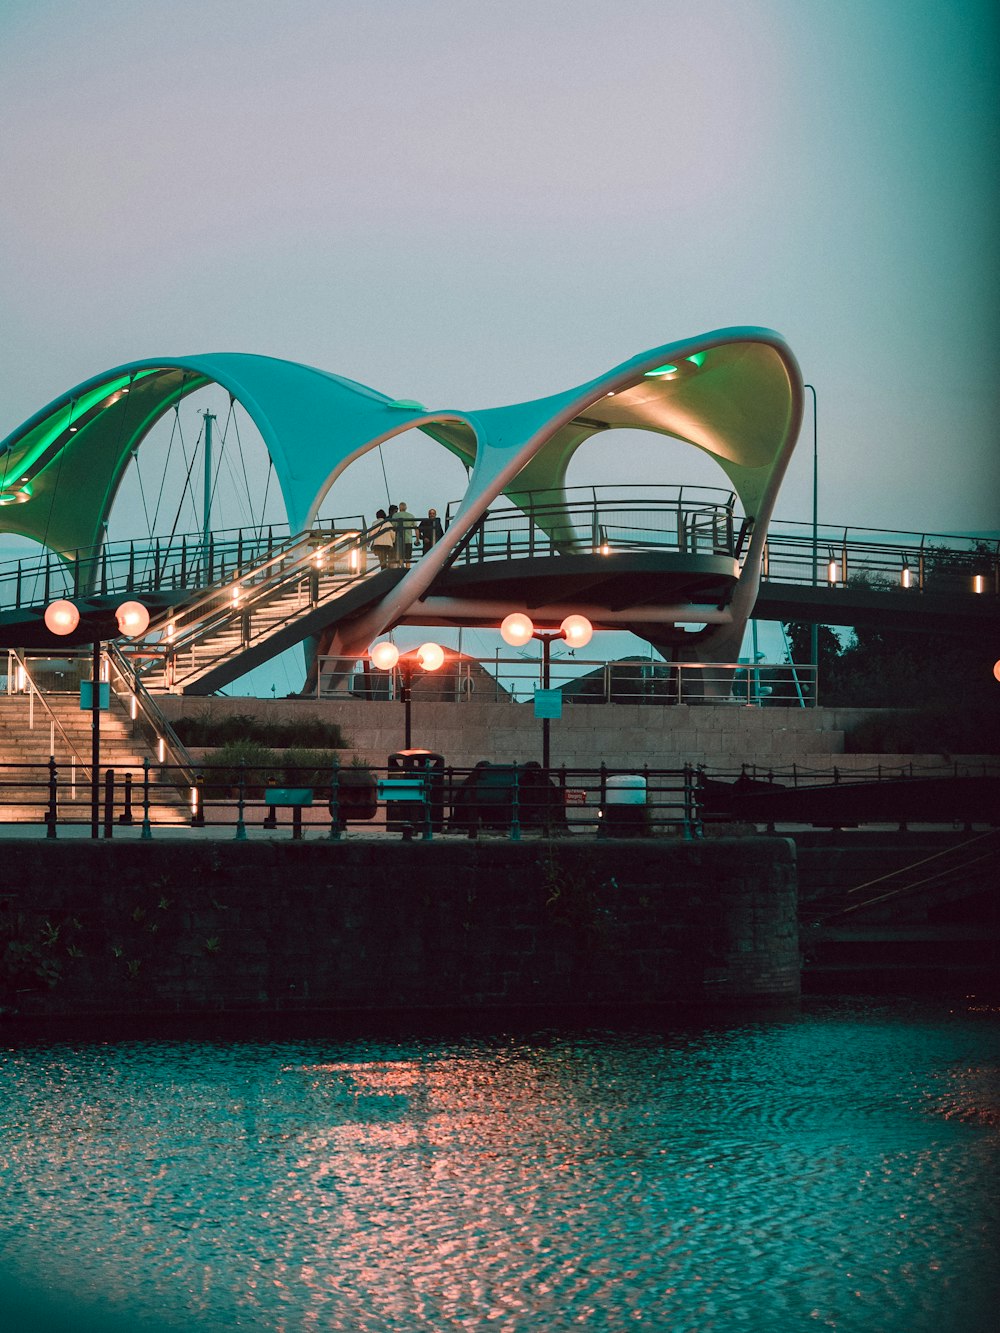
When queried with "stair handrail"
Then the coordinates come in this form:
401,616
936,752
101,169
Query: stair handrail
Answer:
257,595
179,755
252,586
33,689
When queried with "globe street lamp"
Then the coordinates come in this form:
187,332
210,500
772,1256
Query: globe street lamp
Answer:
61,618
386,656
517,628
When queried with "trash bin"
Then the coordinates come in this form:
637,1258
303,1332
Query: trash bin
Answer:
400,815
625,813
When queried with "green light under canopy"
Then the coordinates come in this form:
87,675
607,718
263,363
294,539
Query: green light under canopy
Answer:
697,359
661,370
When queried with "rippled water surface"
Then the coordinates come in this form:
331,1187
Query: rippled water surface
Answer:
837,1168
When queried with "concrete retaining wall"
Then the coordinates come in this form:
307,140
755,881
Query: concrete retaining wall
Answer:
114,928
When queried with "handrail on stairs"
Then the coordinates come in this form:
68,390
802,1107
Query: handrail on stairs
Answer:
177,751
254,589
35,693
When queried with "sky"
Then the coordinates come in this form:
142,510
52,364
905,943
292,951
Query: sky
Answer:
474,204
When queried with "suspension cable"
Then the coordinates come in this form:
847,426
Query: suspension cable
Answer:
166,462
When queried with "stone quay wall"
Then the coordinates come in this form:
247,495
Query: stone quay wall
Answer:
103,928
623,736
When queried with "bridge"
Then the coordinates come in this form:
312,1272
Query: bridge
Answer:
659,561
683,567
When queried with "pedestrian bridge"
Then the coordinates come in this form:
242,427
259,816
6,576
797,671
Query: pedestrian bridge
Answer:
660,561
684,567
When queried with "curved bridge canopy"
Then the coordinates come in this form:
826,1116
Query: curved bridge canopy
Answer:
735,394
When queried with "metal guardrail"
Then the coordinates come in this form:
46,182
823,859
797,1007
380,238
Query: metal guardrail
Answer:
910,562
19,672
507,799
591,520
603,520
181,563
514,680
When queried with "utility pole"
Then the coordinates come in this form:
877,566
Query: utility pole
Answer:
206,508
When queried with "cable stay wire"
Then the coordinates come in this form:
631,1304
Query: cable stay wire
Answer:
385,478
243,461
166,462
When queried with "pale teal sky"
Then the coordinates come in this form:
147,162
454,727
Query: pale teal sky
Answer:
476,203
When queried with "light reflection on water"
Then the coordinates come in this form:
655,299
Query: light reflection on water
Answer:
834,1168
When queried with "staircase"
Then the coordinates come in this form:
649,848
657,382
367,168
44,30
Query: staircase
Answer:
234,627
31,731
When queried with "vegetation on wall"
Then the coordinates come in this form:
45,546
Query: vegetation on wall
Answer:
310,732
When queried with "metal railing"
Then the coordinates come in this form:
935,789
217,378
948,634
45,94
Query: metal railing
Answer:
603,520
506,799
907,561
514,680
138,702
179,563
20,677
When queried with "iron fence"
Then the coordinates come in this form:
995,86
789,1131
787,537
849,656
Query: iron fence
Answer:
507,799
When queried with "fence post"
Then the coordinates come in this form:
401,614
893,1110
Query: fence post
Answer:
602,819
271,818
428,821
51,813
515,807
241,828
335,801
126,815
109,803
147,831
198,810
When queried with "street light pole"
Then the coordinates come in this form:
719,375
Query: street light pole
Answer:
546,640
517,629
95,742
814,627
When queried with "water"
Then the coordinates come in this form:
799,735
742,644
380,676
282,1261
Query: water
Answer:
835,1167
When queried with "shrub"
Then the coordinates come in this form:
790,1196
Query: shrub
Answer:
308,768
310,732
257,762
973,730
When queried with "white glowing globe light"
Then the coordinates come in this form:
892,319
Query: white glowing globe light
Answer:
61,617
577,631
133,619
384,655
516,629
430,656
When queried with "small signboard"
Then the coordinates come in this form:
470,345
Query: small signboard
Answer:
288,796
548,703
400,789
87,695
575,796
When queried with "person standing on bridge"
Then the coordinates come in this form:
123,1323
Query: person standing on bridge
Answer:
407,525
429,530
382,539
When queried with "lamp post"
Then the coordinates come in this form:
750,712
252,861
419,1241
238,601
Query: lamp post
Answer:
386,656
517,628
61,618
814,627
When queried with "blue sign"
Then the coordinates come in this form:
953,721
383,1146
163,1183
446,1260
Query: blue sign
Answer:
87,695
548,703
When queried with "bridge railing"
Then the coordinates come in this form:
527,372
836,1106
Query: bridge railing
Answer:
598,520
176,563
515,679
909,561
